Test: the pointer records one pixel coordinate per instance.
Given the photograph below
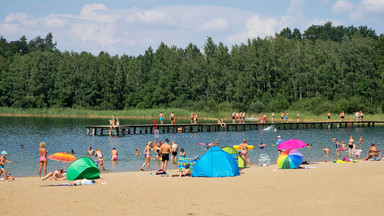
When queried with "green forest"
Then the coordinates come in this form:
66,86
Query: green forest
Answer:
325,68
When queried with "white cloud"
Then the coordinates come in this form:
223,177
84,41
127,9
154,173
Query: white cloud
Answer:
342,6
215,25
376,6
259,26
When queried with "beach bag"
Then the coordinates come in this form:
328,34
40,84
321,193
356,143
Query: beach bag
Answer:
161,172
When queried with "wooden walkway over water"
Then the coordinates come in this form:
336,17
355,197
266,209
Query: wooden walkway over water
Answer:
211,127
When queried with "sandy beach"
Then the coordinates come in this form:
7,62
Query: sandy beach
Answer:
324,189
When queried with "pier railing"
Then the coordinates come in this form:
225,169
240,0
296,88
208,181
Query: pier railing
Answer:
210,127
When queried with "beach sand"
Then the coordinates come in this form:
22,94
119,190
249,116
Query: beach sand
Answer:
326,189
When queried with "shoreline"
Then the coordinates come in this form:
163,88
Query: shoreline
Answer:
322,189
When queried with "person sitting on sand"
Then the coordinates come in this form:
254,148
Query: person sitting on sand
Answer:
9,177
327,151
3,159
57,175
185,172
372,152
138,152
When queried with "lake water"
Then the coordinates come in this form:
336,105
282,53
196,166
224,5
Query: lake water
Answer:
65,134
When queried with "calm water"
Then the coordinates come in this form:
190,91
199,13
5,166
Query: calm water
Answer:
65,134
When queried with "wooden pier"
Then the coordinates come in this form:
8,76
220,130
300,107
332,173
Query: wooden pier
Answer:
210,127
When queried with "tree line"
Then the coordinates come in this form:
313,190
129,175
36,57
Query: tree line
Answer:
325,68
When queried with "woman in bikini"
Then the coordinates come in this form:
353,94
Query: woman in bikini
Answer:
43,158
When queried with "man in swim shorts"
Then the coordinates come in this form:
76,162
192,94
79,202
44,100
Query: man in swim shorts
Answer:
114,154
244,152
161,117
3,159
165,150
342,116
175,148
329,116
172,116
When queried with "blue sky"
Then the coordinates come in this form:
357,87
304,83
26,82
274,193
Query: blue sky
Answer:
131,26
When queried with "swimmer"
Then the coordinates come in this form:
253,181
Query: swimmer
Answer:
327,151
262,145
138,152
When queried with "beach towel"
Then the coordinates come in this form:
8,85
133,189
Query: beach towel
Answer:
184,161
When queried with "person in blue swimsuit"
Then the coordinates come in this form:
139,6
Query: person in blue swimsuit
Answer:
262,145
161,117
147,156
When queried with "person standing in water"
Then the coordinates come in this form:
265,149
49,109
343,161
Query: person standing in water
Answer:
175,148
351,147
114,154
165,150
43,158
244,152
147,156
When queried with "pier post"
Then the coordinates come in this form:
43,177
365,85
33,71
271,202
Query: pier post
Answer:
101,131
87,131
94,131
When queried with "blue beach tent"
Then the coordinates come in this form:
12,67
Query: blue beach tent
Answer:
215,163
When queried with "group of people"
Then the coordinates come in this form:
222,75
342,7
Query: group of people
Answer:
162,151
238,117
98,156
113,124
172,117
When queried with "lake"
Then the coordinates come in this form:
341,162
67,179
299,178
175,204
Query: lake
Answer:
65,134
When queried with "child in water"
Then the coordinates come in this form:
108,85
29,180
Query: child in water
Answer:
101,163
138,152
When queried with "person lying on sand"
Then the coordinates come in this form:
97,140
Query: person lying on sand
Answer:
185,172
57,175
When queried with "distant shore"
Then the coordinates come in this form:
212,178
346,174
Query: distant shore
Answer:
180,113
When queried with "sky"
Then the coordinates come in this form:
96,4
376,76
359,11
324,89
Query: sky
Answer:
132,26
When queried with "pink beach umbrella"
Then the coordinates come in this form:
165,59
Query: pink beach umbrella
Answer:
292,144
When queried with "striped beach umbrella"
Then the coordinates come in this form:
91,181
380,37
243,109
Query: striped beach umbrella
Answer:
289,159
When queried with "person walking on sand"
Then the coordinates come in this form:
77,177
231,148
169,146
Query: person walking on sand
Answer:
161,116
244,152
3,159
147,156
175,148
114,154
165,150
43,158
172,117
